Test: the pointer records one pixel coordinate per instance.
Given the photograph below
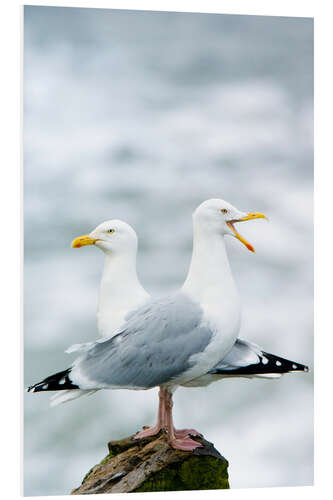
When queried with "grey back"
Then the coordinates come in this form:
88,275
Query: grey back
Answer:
153,347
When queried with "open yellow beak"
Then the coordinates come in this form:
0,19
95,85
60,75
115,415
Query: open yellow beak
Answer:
82,241
249,216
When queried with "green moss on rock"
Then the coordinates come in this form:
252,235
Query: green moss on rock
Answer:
106,459
196,473
88,474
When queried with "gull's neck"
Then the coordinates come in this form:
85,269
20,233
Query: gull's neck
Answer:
210,285
120,292
209,274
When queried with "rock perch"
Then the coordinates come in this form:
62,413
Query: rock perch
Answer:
150,464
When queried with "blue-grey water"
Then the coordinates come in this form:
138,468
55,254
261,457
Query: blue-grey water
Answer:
141,116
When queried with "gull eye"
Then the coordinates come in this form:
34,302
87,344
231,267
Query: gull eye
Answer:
110,231
224,210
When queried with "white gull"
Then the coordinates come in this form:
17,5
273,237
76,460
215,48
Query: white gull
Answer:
175,340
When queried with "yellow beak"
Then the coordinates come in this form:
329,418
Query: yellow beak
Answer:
249,216
82,241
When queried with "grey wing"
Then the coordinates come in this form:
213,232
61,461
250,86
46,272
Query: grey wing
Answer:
242,354
154,346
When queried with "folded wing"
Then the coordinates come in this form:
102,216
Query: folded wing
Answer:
153,347
247,360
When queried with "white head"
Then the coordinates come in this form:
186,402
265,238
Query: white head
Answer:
219,216
113,237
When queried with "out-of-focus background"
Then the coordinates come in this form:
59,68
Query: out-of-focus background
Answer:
141,116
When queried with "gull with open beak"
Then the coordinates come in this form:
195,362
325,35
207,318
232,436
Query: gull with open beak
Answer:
249,216
188,338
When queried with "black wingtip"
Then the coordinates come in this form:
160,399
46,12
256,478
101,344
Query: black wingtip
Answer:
58,382
284,365
268,364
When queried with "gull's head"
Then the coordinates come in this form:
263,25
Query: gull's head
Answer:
219,216
112,236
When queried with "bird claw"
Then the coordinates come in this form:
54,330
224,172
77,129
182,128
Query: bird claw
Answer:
185,444
148,432
181,433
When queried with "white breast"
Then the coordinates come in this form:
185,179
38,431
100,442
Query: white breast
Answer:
210,283
223,318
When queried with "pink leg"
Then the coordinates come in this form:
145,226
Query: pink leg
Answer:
152,431
183,442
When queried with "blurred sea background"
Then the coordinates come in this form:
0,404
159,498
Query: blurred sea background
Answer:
141,116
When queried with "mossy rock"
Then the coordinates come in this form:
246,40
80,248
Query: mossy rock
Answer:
196,473
150,464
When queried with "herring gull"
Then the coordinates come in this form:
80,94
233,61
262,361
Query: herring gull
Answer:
120,290
178,339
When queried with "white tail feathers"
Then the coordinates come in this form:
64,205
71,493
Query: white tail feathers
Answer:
66,396
79,347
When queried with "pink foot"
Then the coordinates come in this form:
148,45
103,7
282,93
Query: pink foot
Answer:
151,431
185,444
181,433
